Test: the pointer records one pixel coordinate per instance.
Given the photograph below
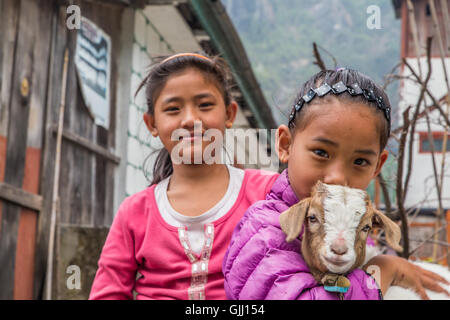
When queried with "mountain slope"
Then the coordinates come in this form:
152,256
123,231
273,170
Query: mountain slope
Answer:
278,37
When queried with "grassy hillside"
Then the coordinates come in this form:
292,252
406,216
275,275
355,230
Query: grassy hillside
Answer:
278,37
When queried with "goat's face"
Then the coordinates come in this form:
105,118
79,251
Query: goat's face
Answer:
338,220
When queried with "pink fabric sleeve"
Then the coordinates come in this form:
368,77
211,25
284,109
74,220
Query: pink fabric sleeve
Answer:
270,182
116,274
260,182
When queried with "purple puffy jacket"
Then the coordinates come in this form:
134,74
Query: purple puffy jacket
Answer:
261,265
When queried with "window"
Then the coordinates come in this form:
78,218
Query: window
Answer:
438,140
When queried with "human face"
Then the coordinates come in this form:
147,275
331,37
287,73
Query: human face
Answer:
340,145
189,99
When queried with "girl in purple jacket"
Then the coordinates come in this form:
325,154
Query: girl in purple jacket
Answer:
337,132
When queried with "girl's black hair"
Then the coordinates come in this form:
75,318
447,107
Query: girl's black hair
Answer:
213,68
348,77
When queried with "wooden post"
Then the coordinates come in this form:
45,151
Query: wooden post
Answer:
19,109
447,218
55,202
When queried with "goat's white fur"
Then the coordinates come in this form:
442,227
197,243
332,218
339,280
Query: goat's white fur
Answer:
399,293
344,208
371,251
340,224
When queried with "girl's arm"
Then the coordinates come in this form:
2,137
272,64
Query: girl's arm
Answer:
396,271
117,266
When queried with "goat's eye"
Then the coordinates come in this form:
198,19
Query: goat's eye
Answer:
366,228
312,218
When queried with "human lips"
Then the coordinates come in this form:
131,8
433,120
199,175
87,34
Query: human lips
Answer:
192,137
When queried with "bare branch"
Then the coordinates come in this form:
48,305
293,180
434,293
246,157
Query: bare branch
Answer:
384,189
441,243
399,189
436,103
414,120
427,239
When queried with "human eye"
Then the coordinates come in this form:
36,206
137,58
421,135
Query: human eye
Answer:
361,162
171,109
206,104
321,153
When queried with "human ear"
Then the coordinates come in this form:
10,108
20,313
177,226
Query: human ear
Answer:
231,111
381,160
283,143
150,123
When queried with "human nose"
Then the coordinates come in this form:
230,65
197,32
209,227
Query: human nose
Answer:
336,174
190,116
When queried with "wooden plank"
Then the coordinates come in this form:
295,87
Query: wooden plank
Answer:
20,197
124,67
110,135
101,172
76,163
124,3
126,16
26,234
89,165
2,28
89,145
100,179
85,149
21,88
2,161
58,43
71,157
9,25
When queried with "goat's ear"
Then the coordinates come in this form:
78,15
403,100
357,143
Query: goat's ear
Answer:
391,229
291,220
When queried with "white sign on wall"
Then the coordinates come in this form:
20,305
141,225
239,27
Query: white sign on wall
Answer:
93,64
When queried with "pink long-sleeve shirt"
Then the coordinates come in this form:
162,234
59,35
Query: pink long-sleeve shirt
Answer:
141,241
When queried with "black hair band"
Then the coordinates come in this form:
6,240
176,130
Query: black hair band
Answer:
338,88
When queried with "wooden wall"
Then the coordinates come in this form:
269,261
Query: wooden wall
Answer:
425,29
24,60
33,38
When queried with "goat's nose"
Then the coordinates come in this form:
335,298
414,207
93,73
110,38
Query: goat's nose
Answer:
339,247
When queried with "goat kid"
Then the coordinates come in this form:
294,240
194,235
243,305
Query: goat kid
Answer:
337,223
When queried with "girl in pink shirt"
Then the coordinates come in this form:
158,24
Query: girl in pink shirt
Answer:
168,241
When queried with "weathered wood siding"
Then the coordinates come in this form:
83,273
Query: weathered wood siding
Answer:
33,39
24,61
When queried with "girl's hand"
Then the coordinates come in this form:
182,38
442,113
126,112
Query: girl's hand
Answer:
396,271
